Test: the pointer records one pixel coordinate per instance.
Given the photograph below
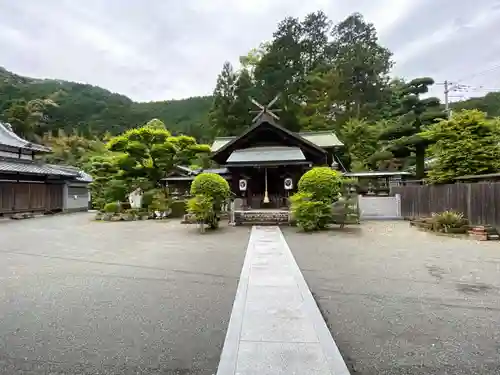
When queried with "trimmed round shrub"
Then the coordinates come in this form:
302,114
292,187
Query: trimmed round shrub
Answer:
211,185
323,183
112,208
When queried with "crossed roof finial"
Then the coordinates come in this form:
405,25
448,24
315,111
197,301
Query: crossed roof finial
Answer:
263,109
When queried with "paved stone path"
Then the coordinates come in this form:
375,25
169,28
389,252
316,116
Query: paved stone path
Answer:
275,326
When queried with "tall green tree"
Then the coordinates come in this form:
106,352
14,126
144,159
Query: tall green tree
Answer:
318,110
250,61
362,65
297,48
349,79
279,71
361,138
223,99
467,144
314,42
416,114
239,111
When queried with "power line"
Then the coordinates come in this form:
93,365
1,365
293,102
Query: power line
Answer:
487,70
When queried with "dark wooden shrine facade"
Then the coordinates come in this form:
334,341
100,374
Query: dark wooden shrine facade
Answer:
266,155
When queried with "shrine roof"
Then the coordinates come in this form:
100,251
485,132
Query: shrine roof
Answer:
266,154
323,139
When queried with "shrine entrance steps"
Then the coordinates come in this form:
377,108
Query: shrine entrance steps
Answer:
276,327
261,217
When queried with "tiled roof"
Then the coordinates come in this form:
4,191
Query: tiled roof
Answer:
9,138
266,154
80,175
30,167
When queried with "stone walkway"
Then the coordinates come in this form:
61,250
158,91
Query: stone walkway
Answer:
275,326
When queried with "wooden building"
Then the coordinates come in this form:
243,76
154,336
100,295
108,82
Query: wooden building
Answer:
378,182
28,185
267,160
179,180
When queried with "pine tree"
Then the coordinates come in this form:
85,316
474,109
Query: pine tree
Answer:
404,139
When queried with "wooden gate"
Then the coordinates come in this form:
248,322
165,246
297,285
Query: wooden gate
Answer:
18,197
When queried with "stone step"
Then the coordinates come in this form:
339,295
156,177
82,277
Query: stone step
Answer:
261,217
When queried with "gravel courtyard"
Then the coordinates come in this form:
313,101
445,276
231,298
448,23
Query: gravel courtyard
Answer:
399,301
84,297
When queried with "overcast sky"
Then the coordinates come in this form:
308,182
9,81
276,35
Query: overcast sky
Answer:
164,49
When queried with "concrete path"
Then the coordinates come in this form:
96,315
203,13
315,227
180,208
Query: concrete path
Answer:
275,326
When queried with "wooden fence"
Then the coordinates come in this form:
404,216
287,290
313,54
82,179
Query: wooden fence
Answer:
479,202
30,197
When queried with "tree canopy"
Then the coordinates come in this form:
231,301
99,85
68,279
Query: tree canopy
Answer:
467,144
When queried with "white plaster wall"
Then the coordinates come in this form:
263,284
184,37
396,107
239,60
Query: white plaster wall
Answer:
380,207
77,198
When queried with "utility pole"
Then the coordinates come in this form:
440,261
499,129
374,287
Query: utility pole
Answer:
446,99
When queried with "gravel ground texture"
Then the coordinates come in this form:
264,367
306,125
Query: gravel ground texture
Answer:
85,297
400,301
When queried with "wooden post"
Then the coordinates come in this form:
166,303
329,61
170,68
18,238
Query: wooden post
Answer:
469,201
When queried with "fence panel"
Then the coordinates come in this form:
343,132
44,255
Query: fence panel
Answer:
480,202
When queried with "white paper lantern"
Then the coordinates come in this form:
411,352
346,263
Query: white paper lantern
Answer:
243,185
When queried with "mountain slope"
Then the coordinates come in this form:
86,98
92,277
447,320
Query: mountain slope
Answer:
94,110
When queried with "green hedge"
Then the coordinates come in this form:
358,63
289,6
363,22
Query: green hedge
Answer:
310,214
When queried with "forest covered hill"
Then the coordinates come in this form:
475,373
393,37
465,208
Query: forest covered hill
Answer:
94,110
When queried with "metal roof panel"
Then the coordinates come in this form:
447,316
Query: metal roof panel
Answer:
266,154
322,139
